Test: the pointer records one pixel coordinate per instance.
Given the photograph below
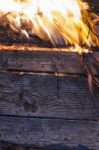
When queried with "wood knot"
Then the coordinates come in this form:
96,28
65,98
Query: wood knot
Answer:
31,107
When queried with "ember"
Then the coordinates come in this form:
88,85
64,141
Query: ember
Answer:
60,22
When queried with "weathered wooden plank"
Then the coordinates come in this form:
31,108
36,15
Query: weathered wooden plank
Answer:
40,61
12,146
41,132
46,96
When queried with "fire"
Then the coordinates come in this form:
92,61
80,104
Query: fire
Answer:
63,22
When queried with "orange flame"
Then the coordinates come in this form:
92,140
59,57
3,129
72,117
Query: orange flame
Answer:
60,21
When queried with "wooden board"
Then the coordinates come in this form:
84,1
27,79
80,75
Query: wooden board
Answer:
32,97
40,61
42,132
48,96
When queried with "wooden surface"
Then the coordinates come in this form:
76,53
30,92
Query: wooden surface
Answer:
40,109
35,95
40,61
37,107
36,131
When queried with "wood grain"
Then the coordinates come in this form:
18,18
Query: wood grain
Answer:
36,131
41,61
47,96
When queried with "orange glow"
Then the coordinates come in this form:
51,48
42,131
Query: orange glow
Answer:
62,22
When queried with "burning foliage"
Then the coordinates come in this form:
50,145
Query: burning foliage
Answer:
60,22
